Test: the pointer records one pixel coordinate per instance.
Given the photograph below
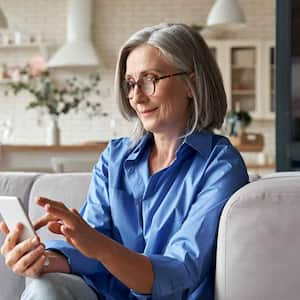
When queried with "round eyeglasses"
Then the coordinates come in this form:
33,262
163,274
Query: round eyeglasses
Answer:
146,84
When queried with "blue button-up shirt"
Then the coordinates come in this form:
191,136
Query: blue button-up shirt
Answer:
171,216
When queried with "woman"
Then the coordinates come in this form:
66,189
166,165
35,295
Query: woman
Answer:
148,228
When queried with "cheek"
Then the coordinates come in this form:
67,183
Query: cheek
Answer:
167,108
132,104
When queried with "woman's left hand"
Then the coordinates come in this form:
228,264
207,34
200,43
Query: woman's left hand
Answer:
68,222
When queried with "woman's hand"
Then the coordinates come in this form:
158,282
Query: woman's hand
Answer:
26,258
70,224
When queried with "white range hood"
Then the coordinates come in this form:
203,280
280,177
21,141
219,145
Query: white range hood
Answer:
78,50
3,20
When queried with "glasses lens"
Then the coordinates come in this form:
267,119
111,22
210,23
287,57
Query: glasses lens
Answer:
127,88
147,86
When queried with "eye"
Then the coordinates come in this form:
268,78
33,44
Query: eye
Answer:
150,77
130,83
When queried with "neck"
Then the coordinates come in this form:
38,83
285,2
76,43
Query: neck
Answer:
163,152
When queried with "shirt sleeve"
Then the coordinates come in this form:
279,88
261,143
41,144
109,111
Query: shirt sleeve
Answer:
189,257
96,211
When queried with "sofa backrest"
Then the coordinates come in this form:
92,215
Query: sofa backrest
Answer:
258,252
70,188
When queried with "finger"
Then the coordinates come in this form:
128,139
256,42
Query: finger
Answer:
64,214
67,231
13,256
44,220
4,229
28,259
12,239
36,268
42,201
69,235
55,227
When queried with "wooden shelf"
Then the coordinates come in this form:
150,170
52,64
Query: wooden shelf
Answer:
248,148
248,142
242,92
241,67
62,148
21,46
5,81
261,166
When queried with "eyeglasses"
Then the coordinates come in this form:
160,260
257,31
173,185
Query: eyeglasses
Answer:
146,84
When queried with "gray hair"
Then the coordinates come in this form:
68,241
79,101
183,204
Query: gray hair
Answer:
187,51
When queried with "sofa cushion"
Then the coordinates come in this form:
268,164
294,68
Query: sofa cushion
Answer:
259,242
17,184
70,188
13,184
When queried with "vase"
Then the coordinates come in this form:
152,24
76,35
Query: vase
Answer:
53,133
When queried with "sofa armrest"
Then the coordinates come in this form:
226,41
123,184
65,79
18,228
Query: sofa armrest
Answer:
259,241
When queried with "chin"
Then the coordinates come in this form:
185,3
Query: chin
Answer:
150,126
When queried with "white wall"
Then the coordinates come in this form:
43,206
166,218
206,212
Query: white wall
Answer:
113,22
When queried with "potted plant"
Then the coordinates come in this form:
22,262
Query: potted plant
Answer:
55,98
236,121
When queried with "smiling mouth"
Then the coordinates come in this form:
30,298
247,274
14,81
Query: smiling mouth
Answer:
148,111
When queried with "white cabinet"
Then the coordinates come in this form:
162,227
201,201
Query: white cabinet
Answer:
248,70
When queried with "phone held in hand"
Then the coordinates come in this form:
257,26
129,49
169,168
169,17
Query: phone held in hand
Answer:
13,212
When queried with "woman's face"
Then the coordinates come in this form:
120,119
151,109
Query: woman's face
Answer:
166,111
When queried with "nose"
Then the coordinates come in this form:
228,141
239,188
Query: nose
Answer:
137,94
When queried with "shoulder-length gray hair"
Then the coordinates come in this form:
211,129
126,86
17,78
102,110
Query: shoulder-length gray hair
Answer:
187,51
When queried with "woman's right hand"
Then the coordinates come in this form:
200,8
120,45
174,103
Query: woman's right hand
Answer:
26,258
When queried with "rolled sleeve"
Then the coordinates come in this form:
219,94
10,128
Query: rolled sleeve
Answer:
79,263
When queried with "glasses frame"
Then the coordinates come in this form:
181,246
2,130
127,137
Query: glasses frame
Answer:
154,81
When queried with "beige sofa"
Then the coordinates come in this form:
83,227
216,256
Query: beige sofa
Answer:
258,254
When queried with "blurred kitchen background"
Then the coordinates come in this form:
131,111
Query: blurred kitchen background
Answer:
37,29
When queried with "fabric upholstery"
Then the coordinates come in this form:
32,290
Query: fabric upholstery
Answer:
69,188
259,242
13,184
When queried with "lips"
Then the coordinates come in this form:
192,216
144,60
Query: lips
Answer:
147,111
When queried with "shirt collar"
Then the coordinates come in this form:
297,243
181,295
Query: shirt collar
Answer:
201,141
141,145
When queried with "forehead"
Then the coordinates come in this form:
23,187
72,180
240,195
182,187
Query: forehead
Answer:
147,57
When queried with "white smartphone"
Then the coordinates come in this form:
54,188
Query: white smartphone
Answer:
13,212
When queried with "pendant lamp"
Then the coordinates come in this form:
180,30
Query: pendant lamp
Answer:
225,15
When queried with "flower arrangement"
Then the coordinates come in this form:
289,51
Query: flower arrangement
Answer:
53,97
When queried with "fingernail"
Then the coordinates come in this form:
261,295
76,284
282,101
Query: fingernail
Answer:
19,227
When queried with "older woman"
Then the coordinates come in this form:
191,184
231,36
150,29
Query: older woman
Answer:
148,228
